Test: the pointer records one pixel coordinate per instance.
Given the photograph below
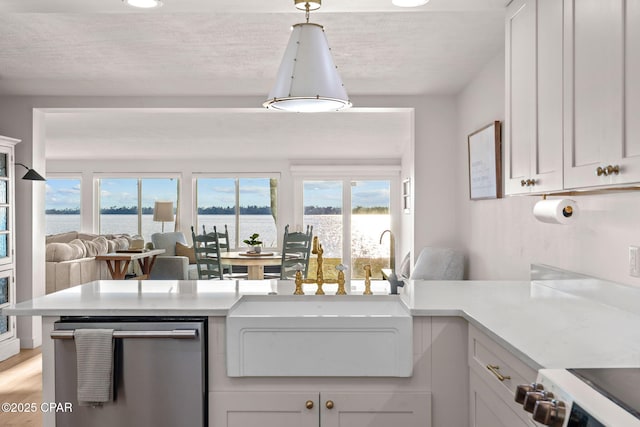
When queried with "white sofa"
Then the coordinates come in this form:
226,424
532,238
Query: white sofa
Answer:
70,258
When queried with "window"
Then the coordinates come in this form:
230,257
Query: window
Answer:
126,204
62,205
348,216
245,205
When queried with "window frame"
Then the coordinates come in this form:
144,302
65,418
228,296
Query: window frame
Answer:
130,175
235,176
347,174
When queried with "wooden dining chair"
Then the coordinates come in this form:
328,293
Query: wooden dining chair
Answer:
225,246
206,249
296,249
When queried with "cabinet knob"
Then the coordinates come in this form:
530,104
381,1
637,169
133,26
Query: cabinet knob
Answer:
523,183
534,397
549,413
309,404
613,170
531,182
329,404
601,171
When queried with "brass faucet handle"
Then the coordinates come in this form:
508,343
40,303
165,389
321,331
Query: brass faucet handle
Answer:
298,282
341,268
367,280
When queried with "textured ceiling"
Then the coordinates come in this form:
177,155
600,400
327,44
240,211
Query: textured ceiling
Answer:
227,47
231,47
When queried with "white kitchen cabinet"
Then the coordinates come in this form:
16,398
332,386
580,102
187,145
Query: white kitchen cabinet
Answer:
487,409
263,409
602,93
494,374
324,409
9,343
533,126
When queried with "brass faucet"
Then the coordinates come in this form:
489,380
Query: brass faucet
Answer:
392,249
319,280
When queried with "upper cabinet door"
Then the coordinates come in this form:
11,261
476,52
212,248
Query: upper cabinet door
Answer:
6,206
602,93
533,126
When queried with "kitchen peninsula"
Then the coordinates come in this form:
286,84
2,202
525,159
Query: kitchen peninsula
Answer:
521,326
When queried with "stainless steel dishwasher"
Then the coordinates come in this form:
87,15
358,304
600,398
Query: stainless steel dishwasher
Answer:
160,372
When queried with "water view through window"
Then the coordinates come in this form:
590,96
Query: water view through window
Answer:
126,205
244,205
62,205
369,216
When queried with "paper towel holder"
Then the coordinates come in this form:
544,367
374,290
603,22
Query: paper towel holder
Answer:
567,211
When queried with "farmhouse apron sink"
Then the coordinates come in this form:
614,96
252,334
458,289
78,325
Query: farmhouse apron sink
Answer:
311,336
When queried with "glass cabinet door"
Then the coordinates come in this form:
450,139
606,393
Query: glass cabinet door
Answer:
7,323
5,220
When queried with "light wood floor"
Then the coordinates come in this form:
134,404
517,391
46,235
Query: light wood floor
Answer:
21,382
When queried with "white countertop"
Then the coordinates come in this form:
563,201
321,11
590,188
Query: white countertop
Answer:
551,324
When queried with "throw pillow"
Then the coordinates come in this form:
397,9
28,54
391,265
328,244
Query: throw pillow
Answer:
80,251
57,252
183,250
405,266
103,245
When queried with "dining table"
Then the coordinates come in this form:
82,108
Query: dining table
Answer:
255,262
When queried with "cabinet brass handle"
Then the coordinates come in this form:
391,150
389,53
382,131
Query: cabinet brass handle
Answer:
613,170
531,182
494,371
601,171
309,404
329,404
523,183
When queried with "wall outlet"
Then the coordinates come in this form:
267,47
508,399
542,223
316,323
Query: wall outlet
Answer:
634,261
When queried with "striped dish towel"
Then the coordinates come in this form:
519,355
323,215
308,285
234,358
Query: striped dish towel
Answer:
94,353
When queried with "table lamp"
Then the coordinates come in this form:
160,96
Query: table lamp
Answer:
163,212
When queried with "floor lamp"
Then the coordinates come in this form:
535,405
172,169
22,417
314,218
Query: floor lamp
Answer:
163,212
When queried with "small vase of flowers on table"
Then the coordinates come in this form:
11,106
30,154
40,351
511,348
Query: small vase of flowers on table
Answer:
254,243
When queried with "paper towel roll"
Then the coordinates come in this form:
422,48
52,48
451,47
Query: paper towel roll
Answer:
558,211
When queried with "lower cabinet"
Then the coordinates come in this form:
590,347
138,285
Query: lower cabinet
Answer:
325,409
494,374
488,409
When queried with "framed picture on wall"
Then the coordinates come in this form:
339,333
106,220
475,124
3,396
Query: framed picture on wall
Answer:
485,166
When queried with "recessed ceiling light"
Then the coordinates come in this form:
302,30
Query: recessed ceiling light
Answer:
409,3
144,4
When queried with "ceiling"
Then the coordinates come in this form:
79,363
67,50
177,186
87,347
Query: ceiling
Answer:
230,47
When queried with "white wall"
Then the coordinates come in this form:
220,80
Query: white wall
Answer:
502,238
433,180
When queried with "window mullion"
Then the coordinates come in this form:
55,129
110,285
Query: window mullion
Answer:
346,227
237,218
139,206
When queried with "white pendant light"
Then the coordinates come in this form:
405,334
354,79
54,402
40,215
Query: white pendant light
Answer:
409,3
308,80
144,4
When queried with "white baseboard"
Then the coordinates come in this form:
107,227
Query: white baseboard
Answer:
9,348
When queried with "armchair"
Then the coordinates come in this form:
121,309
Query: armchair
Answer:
170,266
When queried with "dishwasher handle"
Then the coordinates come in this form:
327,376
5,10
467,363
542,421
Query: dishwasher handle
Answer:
67,334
